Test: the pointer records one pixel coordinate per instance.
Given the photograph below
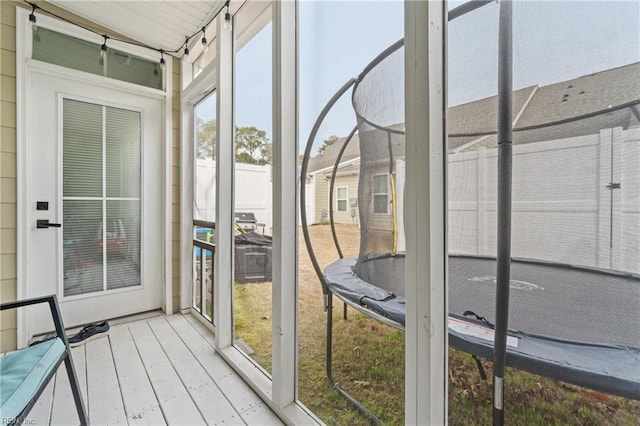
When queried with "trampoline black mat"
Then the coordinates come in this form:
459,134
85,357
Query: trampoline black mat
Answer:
576,324
558,301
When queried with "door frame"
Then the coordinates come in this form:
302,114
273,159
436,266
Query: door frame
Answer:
24,66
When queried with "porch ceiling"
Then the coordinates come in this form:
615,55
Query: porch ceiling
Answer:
162,24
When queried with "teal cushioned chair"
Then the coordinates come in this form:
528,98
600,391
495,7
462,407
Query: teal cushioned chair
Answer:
25,373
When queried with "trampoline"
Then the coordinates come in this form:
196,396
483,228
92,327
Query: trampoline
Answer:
595,348
573,283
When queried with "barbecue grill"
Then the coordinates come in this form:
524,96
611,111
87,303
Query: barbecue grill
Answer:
246,220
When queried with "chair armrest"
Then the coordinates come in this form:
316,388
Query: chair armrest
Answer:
52,300
45,376
27,302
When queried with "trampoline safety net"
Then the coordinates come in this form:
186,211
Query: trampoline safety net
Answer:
576,170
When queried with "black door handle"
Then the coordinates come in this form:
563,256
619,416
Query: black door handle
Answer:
44,223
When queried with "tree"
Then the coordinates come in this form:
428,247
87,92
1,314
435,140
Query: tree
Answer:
206,137
327,143
252,146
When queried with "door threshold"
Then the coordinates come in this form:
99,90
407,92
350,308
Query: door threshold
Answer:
135,317
112,321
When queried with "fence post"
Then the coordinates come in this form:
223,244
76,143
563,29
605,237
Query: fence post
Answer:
481,203
617,197
604,199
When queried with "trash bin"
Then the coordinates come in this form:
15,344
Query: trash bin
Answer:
252,258
253,264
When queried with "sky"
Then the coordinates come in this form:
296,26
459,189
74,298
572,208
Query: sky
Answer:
553,41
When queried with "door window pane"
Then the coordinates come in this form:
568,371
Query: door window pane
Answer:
101,197
82,149
121,241
123,153
83,263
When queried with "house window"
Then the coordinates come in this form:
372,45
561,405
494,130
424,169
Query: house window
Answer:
71,52
381,193
341,198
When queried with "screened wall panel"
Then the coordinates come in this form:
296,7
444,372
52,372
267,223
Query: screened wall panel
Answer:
205,125
204,200
252,202
337,42
566,182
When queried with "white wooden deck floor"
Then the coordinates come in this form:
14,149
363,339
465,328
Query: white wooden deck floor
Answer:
161,370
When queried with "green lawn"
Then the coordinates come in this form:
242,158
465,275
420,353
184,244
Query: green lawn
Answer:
369,363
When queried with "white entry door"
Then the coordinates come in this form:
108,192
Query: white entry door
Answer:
94,192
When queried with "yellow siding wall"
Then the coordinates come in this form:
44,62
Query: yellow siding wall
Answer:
351,182
322,194
7,172
376,220
175,187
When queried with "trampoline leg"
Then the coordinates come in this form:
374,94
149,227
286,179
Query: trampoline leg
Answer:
356,404
329,305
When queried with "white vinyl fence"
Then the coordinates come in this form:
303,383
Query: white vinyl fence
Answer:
575,200
310,195
252,191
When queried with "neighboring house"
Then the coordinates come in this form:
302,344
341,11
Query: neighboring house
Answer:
473,125
320,170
